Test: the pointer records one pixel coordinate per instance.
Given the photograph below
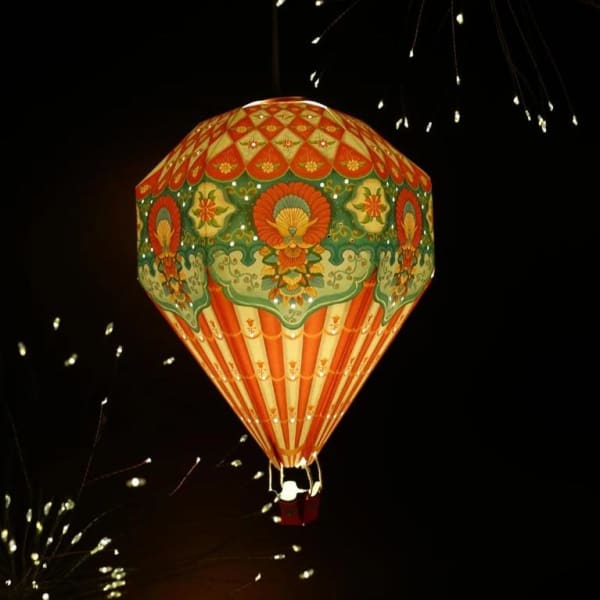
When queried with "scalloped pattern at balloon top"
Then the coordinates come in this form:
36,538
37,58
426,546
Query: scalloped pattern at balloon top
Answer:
289,206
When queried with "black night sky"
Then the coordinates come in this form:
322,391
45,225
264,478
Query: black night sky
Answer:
467,465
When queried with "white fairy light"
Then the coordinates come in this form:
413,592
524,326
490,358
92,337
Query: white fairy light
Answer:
69,362
380,104
119,351
76,538
257,577
516,100
169,361
316,40
306,574
266,508
105,541
399,122
236,463
56,323
109,328
574,120
279,556
135,482
457,116
22,349
258,475
460,18
428,128
243,438
296,548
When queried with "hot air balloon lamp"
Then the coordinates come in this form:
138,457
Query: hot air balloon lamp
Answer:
286,243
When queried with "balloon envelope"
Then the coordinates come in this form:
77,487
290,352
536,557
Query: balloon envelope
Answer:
286,243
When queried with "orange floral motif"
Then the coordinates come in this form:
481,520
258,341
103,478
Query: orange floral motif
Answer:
292,219
409,224
164,227
370,206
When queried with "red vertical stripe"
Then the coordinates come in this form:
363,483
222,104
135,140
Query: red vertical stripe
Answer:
313,331
271,328
359,307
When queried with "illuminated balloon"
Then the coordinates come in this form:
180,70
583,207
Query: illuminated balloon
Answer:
286,243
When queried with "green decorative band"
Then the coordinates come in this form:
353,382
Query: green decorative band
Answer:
288,246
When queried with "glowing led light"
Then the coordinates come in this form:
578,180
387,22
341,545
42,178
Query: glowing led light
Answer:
278,556
457,116
22,349
428,128
258,577
316,82
76,539
258,475
516,101
29,515
236,463
47,508
119,351
380,104
69,362
136,482
12,547
243,438
399,122
411,54
316,40
550,106
105,541
109,328
169,361
279,3
307,574
266,508
574,120
56,323
276,519
105,570
45,596
460,19
296,548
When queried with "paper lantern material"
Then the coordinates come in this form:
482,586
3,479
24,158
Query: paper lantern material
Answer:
286,243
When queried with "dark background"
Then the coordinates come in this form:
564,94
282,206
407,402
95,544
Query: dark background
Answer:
467,466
